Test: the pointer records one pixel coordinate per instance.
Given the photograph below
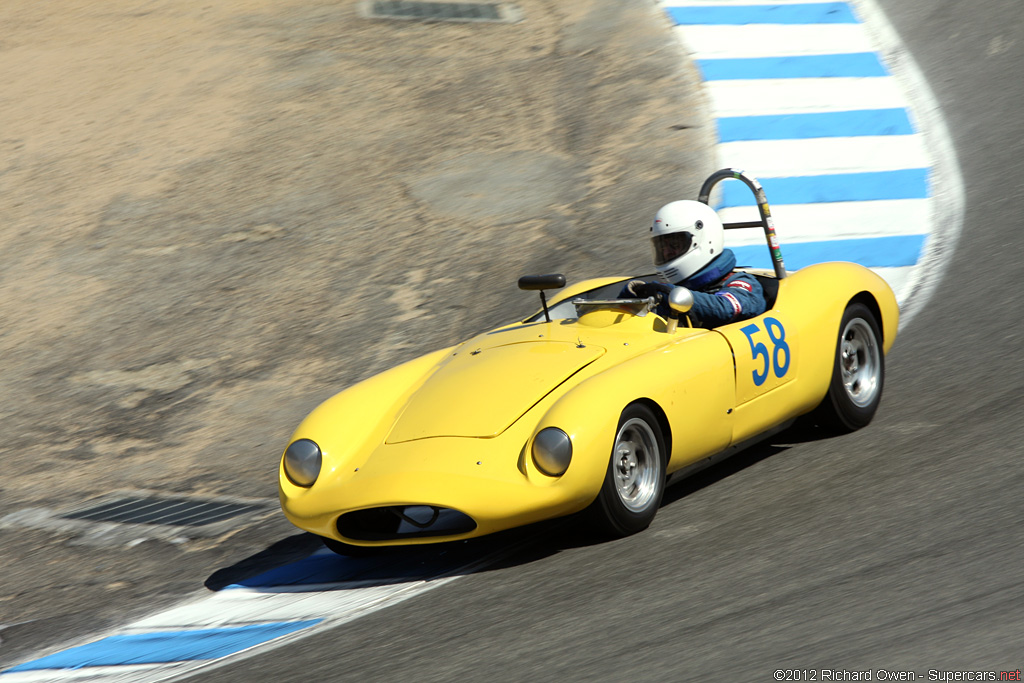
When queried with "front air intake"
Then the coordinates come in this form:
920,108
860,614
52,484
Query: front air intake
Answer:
403,521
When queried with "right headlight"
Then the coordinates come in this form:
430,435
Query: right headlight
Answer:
552,451
302,462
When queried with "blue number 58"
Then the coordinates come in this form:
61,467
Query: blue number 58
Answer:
780,353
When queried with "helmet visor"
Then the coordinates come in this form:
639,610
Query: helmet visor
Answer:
671,246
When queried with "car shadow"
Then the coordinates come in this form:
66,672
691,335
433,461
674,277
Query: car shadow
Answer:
719,471
301,563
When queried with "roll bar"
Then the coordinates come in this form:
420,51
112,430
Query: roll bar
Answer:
762,206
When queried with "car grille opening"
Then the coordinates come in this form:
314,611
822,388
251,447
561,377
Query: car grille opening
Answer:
403,521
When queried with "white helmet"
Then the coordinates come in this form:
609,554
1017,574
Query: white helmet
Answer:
687,235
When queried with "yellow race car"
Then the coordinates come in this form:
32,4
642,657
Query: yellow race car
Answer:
592,404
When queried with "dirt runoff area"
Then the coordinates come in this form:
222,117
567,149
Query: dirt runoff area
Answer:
215,215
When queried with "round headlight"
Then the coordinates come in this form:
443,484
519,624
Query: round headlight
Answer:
552,451
302,462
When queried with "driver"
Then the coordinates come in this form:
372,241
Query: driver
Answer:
688,240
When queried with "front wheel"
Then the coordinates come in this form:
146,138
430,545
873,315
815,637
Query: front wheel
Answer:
635,480
858,372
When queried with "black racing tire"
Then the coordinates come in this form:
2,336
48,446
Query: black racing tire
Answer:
634,482
858,373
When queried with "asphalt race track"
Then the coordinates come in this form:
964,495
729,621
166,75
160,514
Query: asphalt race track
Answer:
897,548
894,549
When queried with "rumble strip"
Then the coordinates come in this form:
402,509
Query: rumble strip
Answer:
320,592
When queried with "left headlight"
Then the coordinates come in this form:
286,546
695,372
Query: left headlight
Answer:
302,462
552,451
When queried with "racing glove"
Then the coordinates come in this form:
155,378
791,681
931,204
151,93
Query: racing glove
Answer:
641,290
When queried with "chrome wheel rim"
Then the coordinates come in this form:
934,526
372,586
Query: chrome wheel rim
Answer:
860,362
636,464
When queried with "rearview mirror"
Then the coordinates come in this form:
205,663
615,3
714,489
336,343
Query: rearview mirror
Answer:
542,282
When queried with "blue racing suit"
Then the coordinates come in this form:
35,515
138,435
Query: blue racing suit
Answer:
720,296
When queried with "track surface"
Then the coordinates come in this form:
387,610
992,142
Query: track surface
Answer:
899,547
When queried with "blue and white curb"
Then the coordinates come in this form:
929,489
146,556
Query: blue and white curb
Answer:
320,592
821,103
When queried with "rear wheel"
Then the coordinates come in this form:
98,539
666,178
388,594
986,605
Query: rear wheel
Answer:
635,480
858,373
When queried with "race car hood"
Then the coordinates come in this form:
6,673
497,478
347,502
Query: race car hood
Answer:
480,392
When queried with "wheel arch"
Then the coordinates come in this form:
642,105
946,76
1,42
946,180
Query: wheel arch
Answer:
663,423
868,299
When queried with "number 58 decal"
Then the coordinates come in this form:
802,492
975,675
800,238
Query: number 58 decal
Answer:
780,349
